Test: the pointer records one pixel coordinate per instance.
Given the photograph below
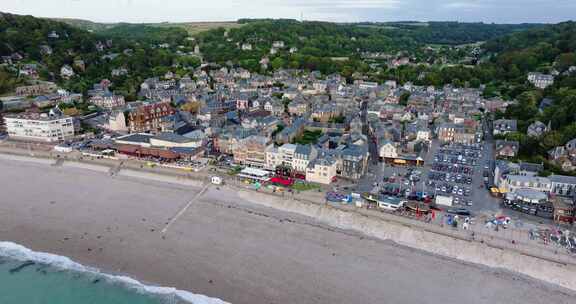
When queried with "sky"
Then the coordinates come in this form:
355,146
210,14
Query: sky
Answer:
498,11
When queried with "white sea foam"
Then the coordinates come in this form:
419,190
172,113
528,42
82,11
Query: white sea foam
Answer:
21,253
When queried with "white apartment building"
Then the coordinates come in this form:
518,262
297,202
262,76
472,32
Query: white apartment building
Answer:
322,170
540,80
280,156
296,157
52,128
303,155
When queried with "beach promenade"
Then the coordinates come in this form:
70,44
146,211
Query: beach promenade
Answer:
223,245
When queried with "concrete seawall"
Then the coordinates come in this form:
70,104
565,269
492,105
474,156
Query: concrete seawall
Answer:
85,166
561,274
159,178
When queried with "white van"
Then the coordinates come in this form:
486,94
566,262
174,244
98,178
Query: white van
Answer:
216,180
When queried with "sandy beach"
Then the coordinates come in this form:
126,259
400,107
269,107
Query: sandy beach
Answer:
223,246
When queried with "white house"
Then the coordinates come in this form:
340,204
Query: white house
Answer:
537,129
540,80
388,149
66,71
278,44
117,122
423,134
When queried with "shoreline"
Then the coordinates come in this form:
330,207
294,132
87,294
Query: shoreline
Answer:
17,252
229,248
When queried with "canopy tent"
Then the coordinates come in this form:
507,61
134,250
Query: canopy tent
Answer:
282,181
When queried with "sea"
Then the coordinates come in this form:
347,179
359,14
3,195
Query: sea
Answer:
29,277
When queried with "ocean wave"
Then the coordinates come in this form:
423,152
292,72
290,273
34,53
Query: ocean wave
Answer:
18,252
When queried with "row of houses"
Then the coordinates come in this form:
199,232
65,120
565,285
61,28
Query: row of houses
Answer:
315,163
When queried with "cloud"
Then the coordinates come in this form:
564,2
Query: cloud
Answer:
463,5
509,11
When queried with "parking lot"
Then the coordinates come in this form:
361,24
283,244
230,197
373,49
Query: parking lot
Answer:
454,170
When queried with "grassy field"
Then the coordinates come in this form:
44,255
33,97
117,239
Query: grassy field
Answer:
198,27
191,27
309,137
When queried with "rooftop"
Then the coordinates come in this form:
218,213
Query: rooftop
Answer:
136,138
565,179
172,137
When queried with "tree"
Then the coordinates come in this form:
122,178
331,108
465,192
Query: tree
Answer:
278,63
490,91
404,98
566,60
192,107
551,140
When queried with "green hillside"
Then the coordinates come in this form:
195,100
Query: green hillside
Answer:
192,28
318,41
142,58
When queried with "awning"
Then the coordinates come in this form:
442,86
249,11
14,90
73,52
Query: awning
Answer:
281,181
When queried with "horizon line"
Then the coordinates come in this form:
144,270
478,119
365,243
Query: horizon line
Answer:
270,18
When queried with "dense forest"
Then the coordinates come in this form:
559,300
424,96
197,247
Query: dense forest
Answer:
551,49
450,33
143,33
506,62
318,42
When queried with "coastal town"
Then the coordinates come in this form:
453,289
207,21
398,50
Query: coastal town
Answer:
268,160
387,146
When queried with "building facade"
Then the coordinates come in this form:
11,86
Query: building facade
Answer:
563,185
108,101
513,183
251,151
322,170
150,117
51,128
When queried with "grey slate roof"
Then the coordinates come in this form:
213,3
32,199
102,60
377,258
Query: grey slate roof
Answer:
136,138
172,137
564,179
